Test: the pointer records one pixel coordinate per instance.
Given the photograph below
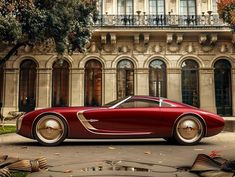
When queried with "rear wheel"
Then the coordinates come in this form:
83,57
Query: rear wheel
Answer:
189,130
50,130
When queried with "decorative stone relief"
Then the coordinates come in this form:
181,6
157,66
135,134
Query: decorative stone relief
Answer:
108,48
141,47
93,48
190,48
207,48
123,49
157,48
223,48
174,47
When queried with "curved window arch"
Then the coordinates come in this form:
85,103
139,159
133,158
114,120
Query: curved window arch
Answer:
157,78
60,84
1,87
223,91
27,90
125,78
93,83
190,83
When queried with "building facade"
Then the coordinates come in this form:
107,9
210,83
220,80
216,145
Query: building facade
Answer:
178,49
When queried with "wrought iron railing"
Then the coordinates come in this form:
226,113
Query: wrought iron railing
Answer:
160,20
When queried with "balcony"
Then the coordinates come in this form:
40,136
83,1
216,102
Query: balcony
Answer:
161,21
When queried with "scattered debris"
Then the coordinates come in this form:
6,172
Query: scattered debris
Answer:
147,152
111,148
57,153
214,153
10,164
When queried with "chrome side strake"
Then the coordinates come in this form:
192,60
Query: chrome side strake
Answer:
86,124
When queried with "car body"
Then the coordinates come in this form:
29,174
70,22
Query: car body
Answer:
130,117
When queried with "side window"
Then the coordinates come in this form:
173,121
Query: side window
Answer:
139,104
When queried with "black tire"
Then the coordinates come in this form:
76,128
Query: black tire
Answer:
189,130
50,130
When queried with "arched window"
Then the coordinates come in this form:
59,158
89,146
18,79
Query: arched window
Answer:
223,91
1,87
157,78
28,77
125,78
190,83
60,84
93,83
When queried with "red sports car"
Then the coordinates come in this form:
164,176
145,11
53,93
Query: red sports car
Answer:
131,117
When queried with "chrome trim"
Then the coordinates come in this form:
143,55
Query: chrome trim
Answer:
160,102
92,129
188,113
116,105
44,113
19,123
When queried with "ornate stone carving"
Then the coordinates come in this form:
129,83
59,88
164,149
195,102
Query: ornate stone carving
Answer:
214,38
190,48
103,38
146,38
137,39
207,48
92,48
108,48
141,47
173,47
157,48
169,38
223,48
113,38
179,38
202,38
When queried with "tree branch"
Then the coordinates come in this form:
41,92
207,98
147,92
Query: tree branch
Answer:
11,52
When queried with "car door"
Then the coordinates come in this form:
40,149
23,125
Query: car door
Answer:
134,117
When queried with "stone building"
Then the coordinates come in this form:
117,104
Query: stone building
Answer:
178,49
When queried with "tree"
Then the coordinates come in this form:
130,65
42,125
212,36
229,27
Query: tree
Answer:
28,22
226,10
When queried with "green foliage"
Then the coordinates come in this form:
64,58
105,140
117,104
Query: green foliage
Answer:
7,129
67,22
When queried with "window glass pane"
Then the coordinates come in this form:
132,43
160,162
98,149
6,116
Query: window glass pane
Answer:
190,83
125,79
187,7
214,6
28,77
125,7
157,7
157,78
139,104
223,94
93,83
60,84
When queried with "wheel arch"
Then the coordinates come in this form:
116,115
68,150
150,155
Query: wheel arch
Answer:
192,114
49,113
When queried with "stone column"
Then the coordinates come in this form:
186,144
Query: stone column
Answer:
109,91
207,90
44,88
77,87
141,82
10,91
174,84
233,88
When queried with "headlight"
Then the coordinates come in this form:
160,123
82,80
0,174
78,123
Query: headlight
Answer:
19,123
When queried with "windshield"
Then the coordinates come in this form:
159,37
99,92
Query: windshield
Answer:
112,103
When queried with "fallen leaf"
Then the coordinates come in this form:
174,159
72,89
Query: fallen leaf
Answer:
111,148
68,171
147,152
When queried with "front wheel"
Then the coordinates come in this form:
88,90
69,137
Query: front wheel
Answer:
189,130
50,130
